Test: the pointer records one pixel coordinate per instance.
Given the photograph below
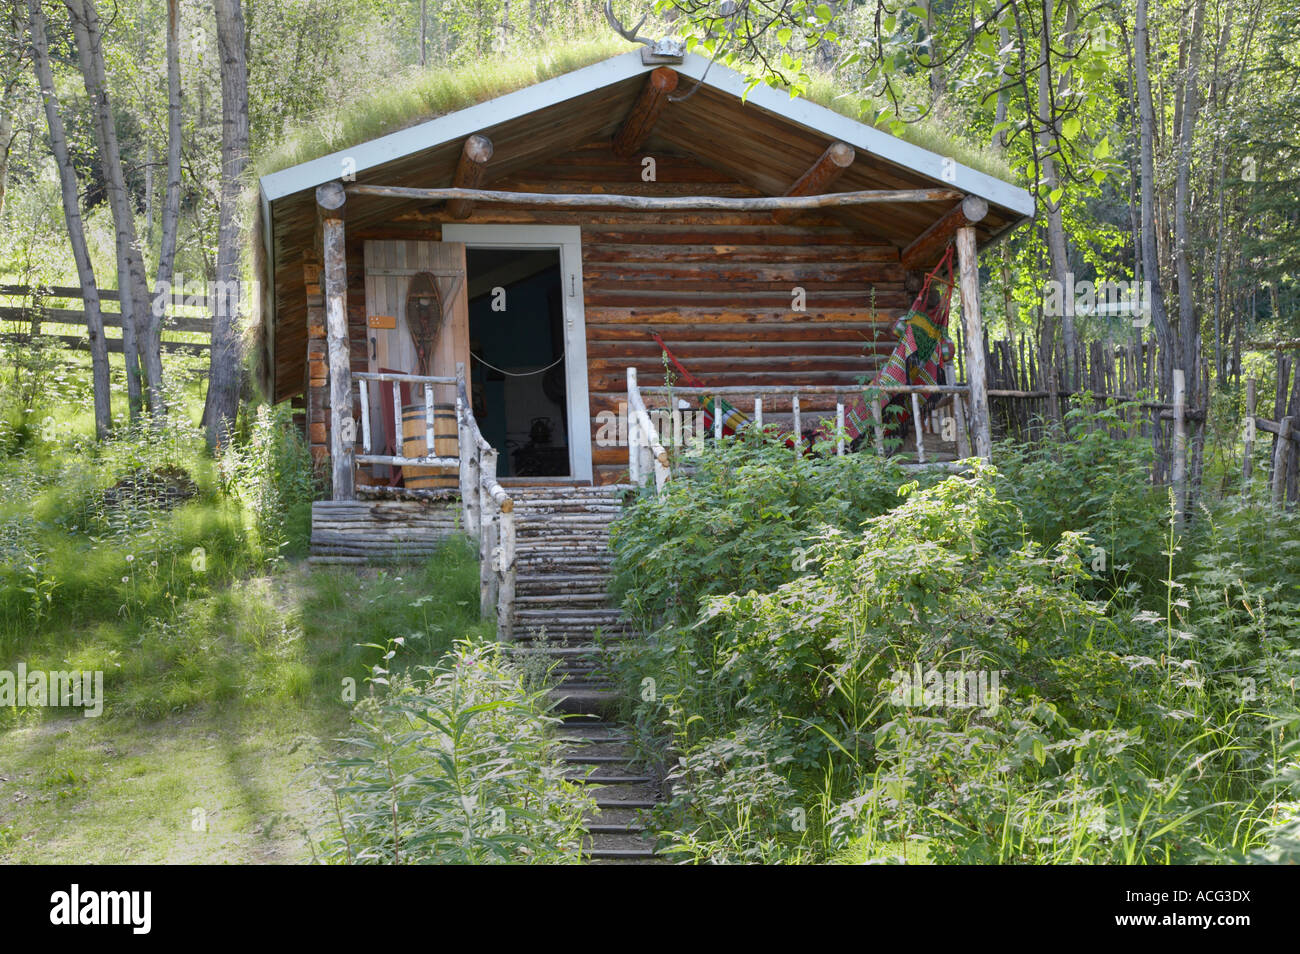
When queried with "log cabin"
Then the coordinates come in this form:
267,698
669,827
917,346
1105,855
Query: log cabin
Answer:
481,290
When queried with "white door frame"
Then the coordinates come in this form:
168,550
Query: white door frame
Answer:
568,240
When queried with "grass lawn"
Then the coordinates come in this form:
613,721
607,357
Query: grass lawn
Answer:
225,771
220,784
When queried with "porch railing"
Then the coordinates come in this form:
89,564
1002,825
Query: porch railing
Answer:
647,455
368,431
488,514
487,511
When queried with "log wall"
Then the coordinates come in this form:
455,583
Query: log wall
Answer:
377,531
718,286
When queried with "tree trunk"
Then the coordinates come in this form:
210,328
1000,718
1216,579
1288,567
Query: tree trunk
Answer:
1187,324
6,142
72,215
1004,94
133,289
1150,261
1058,257
172,203
225,358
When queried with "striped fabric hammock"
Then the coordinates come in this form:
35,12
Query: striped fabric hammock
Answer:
923,346
733,419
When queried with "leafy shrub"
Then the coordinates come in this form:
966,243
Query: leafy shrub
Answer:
1097,482
272,473
741,521
458,768
1120,734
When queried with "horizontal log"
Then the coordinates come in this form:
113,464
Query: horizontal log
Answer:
753,236
450,462
770,335
660,203
816,300
645,112
822,174
927,248
114,345
404,378
111,319
726,350
105,294
1273,427
703,320
811,389
470,170
661,252
742,274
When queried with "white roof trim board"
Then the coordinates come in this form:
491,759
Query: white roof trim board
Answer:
465,122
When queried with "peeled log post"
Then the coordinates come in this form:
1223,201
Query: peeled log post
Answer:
330,198
633,431
1248,438
1178,476
489,530
930,245
467,450
973,338
820,175
506,576
470,170
1283,454
645,112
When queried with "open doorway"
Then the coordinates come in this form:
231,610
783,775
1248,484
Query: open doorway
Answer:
517,366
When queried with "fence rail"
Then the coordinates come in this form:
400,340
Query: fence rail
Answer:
647,456
31,317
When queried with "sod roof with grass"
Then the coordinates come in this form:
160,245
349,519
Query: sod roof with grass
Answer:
536,109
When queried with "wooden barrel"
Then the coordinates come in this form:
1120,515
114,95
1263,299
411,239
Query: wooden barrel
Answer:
444,445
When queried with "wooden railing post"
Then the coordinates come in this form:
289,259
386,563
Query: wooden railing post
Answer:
1248,438
973,338
365,415
633,431
1178,476
489,533
1283,455
919,426
878,425
958,413
505,574
467,449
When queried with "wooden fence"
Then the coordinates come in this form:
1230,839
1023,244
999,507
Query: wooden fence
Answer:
1022,404
29,311
1284,426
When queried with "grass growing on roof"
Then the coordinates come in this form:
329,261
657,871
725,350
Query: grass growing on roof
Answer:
421,95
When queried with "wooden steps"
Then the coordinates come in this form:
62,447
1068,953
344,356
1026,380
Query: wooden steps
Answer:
564,618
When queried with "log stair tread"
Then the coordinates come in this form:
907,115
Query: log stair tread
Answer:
564,617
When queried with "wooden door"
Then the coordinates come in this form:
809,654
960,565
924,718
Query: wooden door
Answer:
390,267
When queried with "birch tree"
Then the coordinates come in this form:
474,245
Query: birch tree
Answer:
140,327
225,358
72,215
172,202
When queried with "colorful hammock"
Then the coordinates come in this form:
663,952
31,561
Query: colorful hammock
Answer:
733,419
923,346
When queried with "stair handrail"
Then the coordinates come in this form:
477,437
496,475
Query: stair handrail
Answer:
488,514
645,453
